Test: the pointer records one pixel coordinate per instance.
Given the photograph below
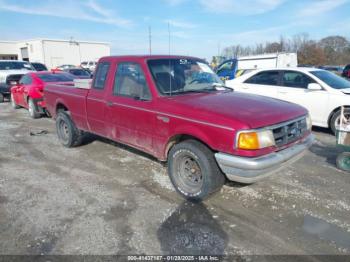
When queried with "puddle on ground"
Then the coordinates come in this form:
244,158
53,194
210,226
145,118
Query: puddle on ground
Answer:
326,231
192,230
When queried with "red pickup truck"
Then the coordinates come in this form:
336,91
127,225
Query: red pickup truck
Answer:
178,110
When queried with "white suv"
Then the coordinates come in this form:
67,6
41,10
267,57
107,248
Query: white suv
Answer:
319,91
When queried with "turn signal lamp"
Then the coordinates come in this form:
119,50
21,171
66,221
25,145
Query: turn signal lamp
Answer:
249,140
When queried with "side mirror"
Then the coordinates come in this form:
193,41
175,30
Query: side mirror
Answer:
314,87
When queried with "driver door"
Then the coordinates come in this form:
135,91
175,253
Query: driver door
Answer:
226,71
130,112
23,89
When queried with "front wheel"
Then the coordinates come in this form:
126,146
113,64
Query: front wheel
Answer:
193,170
2,98
335,120
68,134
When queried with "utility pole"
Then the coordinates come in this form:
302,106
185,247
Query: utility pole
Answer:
150,39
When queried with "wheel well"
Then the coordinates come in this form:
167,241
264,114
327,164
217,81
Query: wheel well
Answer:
61,107
333,112
180,138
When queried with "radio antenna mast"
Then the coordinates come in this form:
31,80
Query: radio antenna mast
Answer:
150,39
169,36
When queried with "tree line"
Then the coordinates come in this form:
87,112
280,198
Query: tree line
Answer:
331,50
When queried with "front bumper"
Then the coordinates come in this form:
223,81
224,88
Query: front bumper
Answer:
249,170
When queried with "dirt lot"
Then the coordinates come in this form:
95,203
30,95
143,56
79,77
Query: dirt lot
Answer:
103,198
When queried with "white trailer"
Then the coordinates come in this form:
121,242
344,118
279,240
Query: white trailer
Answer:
268,61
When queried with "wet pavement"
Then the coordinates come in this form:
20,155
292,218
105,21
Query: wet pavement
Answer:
103,198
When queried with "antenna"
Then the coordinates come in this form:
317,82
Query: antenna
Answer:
150,39
169,36
170,84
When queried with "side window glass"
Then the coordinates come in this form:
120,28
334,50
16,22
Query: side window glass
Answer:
264,78
296,79
130,81
26,80
226,66
101,75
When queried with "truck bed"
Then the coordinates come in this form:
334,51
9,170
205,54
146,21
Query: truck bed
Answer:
72,97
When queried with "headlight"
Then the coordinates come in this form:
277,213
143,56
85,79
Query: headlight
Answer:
252,140
308,122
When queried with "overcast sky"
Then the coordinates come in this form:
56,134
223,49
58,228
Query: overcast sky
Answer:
198,27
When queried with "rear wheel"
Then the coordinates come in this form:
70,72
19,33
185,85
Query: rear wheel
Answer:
193,170
343,161
335,120
32,108
13,102
68,134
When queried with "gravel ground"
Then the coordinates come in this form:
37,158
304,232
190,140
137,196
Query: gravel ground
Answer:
103,198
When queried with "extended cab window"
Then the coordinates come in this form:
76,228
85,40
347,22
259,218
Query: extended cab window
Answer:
296,79
264,78
130,81
101,75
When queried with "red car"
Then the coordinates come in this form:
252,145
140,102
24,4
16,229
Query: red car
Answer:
29,91
178,110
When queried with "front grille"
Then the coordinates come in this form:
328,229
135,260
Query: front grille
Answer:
289,132
13,78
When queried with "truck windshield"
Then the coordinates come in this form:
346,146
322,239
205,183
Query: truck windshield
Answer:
181,75
15,65
331,79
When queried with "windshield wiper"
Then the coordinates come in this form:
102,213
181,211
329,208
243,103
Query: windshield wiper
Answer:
214,87
218,85
191,91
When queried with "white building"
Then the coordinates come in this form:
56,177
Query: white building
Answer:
54,52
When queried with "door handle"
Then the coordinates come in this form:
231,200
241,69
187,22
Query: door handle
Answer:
109,103
282,92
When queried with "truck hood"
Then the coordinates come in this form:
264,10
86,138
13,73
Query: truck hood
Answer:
236,110
5,73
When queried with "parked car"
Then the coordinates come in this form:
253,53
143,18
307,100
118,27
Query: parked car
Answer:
28,93
338,70
63,67
79,73
346,71
177,109
10,73
91,65
39,66
319,91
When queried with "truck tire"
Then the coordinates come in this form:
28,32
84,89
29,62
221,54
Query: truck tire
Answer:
2,98
335,120
32,109
193,170
68,134
13,103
